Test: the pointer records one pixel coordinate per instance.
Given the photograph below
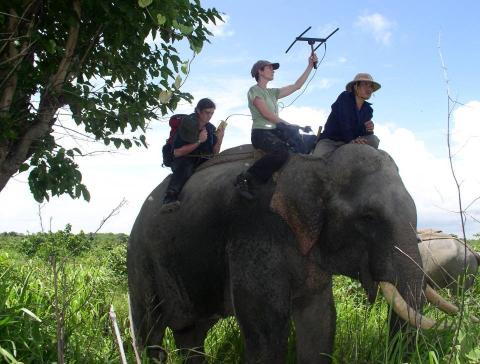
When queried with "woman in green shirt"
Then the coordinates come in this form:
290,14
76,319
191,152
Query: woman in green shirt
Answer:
262,102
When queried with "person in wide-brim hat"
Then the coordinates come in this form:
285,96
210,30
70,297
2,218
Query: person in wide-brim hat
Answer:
350,120
365,77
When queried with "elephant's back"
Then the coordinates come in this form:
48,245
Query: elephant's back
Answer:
208,203
444,259
207,198
244,152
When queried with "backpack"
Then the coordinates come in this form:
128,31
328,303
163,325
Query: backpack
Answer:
167,149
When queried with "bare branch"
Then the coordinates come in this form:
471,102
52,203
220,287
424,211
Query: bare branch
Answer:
462,213
472,203
11,79
114,212
13,16
40,206
94,40
59,78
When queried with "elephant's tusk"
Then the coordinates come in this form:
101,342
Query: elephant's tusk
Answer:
406,312
434,298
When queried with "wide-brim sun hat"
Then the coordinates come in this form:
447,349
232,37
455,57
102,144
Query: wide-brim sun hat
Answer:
262,63
363,77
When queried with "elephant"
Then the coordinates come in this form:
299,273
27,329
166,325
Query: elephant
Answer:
447,261
270,261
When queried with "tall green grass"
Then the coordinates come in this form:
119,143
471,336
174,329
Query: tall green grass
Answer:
95,277
88,284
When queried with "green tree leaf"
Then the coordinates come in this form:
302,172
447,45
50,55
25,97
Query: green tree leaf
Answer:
184,68
144,3
161,19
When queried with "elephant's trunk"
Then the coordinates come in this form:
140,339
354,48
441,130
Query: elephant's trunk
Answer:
404,310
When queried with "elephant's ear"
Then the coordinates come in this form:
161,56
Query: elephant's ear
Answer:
297,199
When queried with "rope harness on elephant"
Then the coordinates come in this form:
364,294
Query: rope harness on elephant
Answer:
245,152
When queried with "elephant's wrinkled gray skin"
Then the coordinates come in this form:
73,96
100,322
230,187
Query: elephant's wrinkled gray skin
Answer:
220,255
447,262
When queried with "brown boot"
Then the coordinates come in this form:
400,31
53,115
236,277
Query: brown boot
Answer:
170,202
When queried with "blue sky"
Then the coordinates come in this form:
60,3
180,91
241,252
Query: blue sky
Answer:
397,42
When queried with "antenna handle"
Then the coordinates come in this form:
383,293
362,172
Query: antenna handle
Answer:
315,65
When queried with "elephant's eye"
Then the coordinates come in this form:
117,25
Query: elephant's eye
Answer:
365,222
368,218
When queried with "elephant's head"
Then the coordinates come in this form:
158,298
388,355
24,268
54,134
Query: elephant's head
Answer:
353,214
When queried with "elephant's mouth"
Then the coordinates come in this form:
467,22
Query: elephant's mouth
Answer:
413,317
370,287
401,307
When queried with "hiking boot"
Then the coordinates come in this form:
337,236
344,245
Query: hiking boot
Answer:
170,203
243,186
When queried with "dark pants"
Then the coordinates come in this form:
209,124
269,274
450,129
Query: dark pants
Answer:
276,154
182,168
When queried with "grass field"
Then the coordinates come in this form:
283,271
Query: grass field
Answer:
62,285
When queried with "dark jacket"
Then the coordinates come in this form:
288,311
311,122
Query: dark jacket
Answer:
345,122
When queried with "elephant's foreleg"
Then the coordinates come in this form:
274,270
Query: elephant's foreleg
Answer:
264,328
146,311
261,303
314,317
190,341
152,329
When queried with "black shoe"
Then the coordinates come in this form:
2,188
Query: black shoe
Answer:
243,186
170,202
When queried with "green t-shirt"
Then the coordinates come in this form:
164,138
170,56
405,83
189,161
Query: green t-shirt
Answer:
270,96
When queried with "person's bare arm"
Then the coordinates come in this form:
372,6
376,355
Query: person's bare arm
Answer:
262,108
288,90
220,133
189,148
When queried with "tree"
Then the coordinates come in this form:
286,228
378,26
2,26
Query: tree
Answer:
91,58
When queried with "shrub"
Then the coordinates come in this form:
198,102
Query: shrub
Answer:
61,243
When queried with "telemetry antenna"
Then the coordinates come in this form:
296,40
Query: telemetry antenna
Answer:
311,41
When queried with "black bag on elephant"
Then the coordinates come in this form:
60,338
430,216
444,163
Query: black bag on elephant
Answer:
298,143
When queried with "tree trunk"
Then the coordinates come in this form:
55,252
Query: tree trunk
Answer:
14,154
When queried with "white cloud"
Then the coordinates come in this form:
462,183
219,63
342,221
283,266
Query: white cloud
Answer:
466,130
429,179
303,116
378,25
321,84
222,28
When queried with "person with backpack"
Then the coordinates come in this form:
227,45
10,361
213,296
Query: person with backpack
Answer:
194,142
269,132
